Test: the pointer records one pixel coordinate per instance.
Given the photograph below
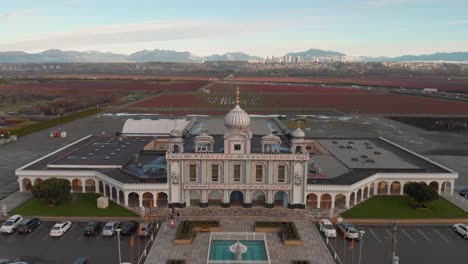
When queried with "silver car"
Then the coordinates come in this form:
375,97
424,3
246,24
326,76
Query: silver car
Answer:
109,228
348,230
145,229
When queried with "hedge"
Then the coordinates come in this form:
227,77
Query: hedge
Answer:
300,262
184,231
288,229
175,261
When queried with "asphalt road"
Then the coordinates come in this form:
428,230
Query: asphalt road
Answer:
430,245
39,248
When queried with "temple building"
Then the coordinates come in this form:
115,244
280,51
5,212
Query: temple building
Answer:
238,160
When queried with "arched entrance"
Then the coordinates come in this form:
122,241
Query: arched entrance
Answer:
446,186
366,192
121,197
340,201
107,190
133,200
352,199
147,200
395,187
38,180
371,189
281,199
325,201
434,185
258,198
311,201
27,184
236,198
194,198
90,186
382,188
101,187
162,199
215,198
358,196
76,186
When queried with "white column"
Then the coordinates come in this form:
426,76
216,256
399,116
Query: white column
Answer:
362,195
318,200
402,185
155,201
332,206
20,183
439,187
389,186
83,186
347,198
140,199
104,189
452,183
110,192
96,186
376,186
126,198
117,193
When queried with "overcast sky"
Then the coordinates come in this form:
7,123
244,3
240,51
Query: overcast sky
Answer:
257,27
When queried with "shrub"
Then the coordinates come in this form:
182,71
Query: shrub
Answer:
54,191
420,192
184,231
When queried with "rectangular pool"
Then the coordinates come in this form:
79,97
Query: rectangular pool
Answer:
256,250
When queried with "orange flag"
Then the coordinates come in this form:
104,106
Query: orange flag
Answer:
132,243
351,247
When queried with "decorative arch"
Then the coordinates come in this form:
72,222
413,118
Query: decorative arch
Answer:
195,198
90,186
161,199
215,198
121,197
133,199
114,194
101,187
325,201
27,185
340,201
395,187
382,188
446,186
280,199
107,188
371,189
259,198
366,192
77,186
352,199
434,185
311,201
358,196
236,198
38,180
147,200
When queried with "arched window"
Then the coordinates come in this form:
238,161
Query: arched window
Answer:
176,149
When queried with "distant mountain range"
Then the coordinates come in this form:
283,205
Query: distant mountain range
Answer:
59,56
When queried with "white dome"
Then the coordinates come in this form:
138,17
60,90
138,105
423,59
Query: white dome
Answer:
204,136
176,133
237,118
271,137
298,133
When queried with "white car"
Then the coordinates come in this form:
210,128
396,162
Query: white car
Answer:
60,229
109,228
327,228
462,229
9,226
348,230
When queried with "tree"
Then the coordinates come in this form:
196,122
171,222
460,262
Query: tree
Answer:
420,192
53,191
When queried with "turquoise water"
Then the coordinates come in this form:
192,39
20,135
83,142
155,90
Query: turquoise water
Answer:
255,250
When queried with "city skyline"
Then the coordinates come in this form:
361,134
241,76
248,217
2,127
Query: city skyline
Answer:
356,28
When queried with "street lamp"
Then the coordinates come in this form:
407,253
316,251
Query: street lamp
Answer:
118,243
361,235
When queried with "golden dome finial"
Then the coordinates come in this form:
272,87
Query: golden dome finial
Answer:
298,123
237,96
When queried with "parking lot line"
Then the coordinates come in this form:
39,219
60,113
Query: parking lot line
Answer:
29,236
444,238
378,240
422,234
406,233
45,237
68,232
11,236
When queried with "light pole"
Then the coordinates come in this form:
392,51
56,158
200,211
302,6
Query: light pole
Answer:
395,259
361,235
118,243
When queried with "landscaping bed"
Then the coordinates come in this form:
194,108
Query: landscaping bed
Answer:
287,230
83,204
401,207
187,229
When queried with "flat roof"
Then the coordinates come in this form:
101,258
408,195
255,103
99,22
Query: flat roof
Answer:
154,126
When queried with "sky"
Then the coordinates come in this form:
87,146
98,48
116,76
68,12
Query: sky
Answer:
257,27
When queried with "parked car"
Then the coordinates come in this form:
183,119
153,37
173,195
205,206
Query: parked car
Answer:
109,228
92,229
348,230
28,225
327,228
4,261
10,225
129,228
60,229
463,192
81,261
462,229
146,229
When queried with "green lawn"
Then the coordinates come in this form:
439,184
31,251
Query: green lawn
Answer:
391,207
85,205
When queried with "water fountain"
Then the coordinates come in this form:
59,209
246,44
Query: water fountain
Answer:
238,248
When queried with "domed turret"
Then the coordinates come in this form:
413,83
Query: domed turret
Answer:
175,133
237,118
298,133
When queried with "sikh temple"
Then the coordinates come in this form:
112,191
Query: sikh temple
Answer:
240,160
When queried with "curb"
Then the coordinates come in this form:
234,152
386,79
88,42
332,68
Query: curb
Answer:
408,222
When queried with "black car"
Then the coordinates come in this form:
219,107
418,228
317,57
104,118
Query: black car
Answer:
463,192
129,228
28,225
92,229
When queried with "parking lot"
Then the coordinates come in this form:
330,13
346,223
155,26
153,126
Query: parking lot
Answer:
38,247
438,244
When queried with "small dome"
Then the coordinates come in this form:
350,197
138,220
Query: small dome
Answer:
237,118
176,133
298,133
270,137
204,136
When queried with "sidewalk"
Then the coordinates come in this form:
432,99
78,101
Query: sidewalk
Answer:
14,200
407,222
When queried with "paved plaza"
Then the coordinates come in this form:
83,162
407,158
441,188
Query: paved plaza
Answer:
314,248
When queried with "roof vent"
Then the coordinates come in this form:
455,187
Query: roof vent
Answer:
364,156
102,146
370,160
90,154
354,159
335,142
342,147
377,152
369,147
349,147
83,158
107,157
128,143
96,149
366,143
113,153
117,149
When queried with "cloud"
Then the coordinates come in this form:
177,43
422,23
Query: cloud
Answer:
150,31
455,22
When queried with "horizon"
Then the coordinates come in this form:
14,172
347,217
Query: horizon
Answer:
355,28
